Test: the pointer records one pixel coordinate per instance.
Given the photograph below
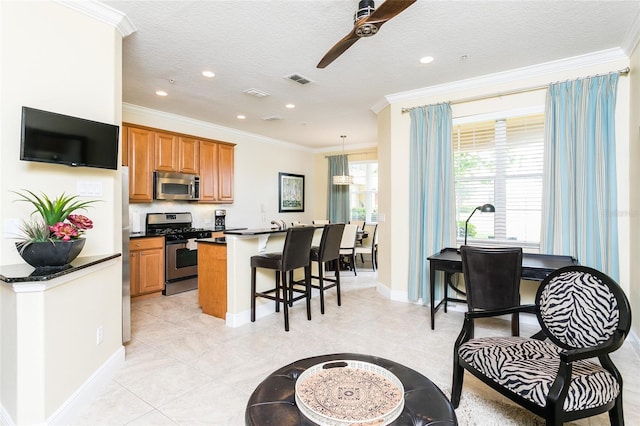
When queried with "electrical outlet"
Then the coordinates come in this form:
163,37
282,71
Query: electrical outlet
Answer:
99,335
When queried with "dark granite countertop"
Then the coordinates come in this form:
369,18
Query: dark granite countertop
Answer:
215,240
25,273
258,231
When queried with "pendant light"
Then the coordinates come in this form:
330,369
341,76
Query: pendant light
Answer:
344,178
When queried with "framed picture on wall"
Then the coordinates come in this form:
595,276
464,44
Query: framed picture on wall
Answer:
290,192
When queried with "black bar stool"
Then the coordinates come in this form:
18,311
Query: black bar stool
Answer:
328,251
295,254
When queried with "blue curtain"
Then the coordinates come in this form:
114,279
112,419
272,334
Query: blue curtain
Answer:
431,193
580,192
337,195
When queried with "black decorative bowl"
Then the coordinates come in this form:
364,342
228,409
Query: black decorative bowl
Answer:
50,254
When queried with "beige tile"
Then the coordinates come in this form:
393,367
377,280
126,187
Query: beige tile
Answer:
186,368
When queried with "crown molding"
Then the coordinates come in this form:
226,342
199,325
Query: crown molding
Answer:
575,62
103,13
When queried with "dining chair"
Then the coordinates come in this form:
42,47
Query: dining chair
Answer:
327,251
368,245
492,279
295,255
564,372
348,246
360,223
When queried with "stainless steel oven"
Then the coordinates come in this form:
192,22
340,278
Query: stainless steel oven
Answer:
181,249
181,260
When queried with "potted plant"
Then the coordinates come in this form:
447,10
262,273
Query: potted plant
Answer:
54,237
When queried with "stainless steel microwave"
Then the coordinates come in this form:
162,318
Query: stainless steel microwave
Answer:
176,186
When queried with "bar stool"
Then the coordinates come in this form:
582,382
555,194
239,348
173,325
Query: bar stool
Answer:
327,251
295,254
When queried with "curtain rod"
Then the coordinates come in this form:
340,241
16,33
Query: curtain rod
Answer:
623,71
353,153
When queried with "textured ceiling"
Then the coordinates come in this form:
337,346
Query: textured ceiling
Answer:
256,43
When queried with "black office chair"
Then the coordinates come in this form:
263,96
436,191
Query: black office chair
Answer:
295,254
492,279
328,251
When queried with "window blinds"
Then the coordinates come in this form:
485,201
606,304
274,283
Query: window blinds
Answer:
500,162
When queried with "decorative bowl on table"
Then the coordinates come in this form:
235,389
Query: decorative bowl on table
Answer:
347,392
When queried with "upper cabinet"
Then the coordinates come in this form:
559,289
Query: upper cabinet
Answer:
216,172
140,147
188,155
166,152
152,150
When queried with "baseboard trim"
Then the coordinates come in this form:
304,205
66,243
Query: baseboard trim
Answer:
89,390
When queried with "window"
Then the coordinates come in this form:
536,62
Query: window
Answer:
364,190
499,161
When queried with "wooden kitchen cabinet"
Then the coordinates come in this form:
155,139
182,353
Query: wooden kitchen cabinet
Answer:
178,154
166,152
216,172
146,262
149,150
212,279
140,148
188,155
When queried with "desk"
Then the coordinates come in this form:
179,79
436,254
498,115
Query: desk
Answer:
273,401
535,267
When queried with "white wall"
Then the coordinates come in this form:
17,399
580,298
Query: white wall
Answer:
257,163
47,65
56,59
394,144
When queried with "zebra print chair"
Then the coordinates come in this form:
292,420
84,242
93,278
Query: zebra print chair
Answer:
583,315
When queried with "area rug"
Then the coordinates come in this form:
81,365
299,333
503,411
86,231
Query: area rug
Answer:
481,406
475,410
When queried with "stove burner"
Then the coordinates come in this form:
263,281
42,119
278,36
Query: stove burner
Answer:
174,227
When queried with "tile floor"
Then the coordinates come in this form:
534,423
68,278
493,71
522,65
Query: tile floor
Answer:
186,368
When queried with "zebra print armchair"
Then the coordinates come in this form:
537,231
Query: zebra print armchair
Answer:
564,372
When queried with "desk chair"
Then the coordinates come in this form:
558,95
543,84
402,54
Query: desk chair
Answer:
328,251
492,279
295,255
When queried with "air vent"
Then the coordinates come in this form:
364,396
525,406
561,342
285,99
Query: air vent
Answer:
298,79
272,118
257,93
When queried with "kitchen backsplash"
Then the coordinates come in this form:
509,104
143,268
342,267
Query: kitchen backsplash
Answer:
203,216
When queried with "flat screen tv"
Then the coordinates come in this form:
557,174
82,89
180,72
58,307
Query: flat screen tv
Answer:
49,137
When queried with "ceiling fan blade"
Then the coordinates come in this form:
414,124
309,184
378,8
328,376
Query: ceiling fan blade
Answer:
388,10
338,49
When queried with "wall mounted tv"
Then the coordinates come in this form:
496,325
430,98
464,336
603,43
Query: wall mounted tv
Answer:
49,137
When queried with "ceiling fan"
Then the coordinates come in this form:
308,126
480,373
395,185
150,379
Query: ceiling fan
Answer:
367,21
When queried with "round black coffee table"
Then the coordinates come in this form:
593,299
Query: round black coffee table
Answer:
273,402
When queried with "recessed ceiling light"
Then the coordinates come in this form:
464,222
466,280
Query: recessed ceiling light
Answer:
161,93
290,106
426,60
241,116
208,73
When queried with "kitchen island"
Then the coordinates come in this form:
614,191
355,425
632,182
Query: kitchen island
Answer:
240,246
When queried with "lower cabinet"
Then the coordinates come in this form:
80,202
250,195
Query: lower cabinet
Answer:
146,260
212,279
